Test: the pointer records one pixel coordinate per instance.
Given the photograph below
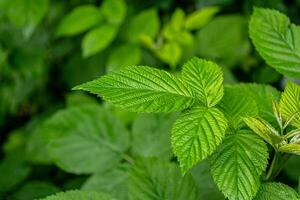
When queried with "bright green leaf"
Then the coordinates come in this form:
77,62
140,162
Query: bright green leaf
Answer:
170,53
200,17
142,89
277,40
155,179
238,164
236,104
196,134
290,148
206,79
290,103
276,191
79,195
177,19
79,20
85,139
145,23
98,39
114,11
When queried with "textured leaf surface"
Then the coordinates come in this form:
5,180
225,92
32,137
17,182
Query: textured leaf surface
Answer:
238,164
196,134
236,104
206,79
85,139
290,148
276,191
79,195
290,103
78,20
157,180
142,89
151,135
277,40
98,39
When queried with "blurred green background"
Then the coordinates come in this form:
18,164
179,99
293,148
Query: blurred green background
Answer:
49,46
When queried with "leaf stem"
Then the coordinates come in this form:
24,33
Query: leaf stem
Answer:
270,171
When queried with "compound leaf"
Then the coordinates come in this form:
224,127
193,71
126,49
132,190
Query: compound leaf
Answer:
206,79
277,40
238,164
278,191
290,103
142,89
196,134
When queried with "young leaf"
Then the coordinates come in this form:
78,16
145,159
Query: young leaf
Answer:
200,17
98,39
142,89
196,135
277,40
79,195
278,191
154,179
206,80
236,104
114,11
264,130
79,20
85,139
290,103
290,148
170,53
238,164
145,23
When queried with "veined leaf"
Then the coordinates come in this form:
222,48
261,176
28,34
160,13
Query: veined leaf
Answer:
79,195
276,191
238,164
264,130
277,40
236,104
206,79
196,134
156,180
142,89
85,139
290,103
79,20
290,148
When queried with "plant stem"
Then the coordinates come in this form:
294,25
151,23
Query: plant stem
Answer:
128,158
274,160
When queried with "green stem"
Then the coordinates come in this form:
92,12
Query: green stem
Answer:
128,158
273,163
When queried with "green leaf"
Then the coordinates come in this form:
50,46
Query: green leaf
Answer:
276,191
206,80
199,18
196,134
114,11
277,40
113,181
79,20
203,179
151,135
170,53
85,139
290,103
236,104
177,19
155,179
290,148
238,164
123,56
142,89
264,130
35,189
98,39
137,26
79,195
